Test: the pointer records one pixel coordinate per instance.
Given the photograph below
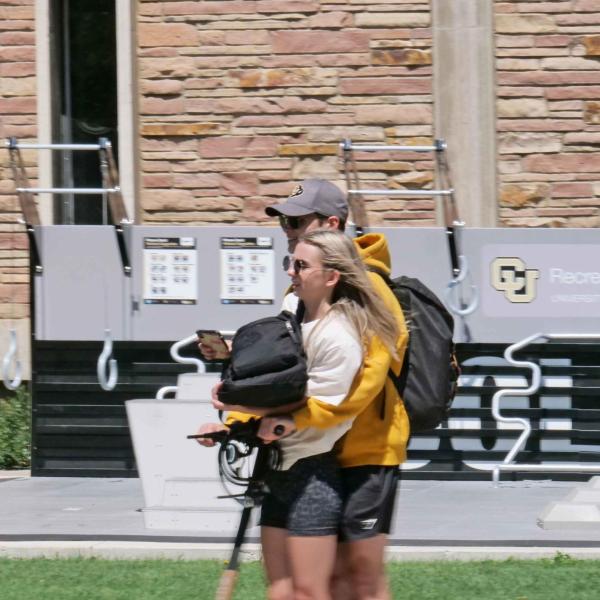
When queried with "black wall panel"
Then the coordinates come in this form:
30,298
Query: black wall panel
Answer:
81,430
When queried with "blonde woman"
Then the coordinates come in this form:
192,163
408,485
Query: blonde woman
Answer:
343,319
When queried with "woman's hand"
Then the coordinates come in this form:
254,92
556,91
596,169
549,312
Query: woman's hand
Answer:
275,428
209,428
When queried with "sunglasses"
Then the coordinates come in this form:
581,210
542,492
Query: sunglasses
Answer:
296,264
296,222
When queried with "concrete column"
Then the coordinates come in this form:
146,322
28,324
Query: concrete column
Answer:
127,108
44,107
464,103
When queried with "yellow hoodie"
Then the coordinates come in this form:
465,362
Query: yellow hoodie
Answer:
380,431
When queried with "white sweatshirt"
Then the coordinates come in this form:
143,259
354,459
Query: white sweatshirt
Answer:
334,356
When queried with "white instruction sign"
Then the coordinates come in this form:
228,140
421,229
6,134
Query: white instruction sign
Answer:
170,270
247,270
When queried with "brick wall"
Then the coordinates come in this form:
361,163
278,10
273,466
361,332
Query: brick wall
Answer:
238,99
548,78
17,118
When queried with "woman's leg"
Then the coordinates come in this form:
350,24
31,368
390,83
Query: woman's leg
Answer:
312,559
313,522
273,533
277,568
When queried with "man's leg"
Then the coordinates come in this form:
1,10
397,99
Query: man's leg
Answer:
369,496
361,574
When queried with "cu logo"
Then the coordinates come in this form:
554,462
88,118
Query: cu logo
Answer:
511,276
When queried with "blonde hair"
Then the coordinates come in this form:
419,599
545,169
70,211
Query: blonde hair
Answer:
354,295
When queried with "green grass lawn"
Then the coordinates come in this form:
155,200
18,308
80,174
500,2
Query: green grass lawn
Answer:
561,578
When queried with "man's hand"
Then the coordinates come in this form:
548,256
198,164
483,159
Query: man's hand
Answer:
214,396
208,352
209,428
218,405
272,429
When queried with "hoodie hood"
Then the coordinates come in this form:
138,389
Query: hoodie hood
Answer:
373,250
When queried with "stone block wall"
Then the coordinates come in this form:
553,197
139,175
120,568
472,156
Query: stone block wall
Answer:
18,117
239,99
548,112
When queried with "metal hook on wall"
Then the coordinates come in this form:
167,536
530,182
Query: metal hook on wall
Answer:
453,299
164,391
187,360
107,382
11,362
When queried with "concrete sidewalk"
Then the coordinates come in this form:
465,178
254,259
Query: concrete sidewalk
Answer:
434,519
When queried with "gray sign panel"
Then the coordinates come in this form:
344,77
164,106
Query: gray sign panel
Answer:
220,304
524,280
542,280
531,281
82,290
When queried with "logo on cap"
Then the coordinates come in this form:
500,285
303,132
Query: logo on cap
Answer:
297,191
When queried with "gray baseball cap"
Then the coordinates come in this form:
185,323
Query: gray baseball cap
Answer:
313,196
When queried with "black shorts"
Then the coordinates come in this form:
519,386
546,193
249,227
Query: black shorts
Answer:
369,494
306,499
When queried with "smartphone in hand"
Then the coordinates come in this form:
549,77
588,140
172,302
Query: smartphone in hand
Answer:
215,341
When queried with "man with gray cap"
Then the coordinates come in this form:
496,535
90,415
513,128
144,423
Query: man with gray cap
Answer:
369,473
314,204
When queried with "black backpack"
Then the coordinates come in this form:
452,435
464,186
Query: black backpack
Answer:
267,366
428,379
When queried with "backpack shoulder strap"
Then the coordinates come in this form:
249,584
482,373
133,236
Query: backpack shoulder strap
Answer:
300,309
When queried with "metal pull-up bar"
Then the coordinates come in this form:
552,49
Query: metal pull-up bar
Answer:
439,148
110,188
387,192
27,146
110,179
459,263
39,190
348,146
